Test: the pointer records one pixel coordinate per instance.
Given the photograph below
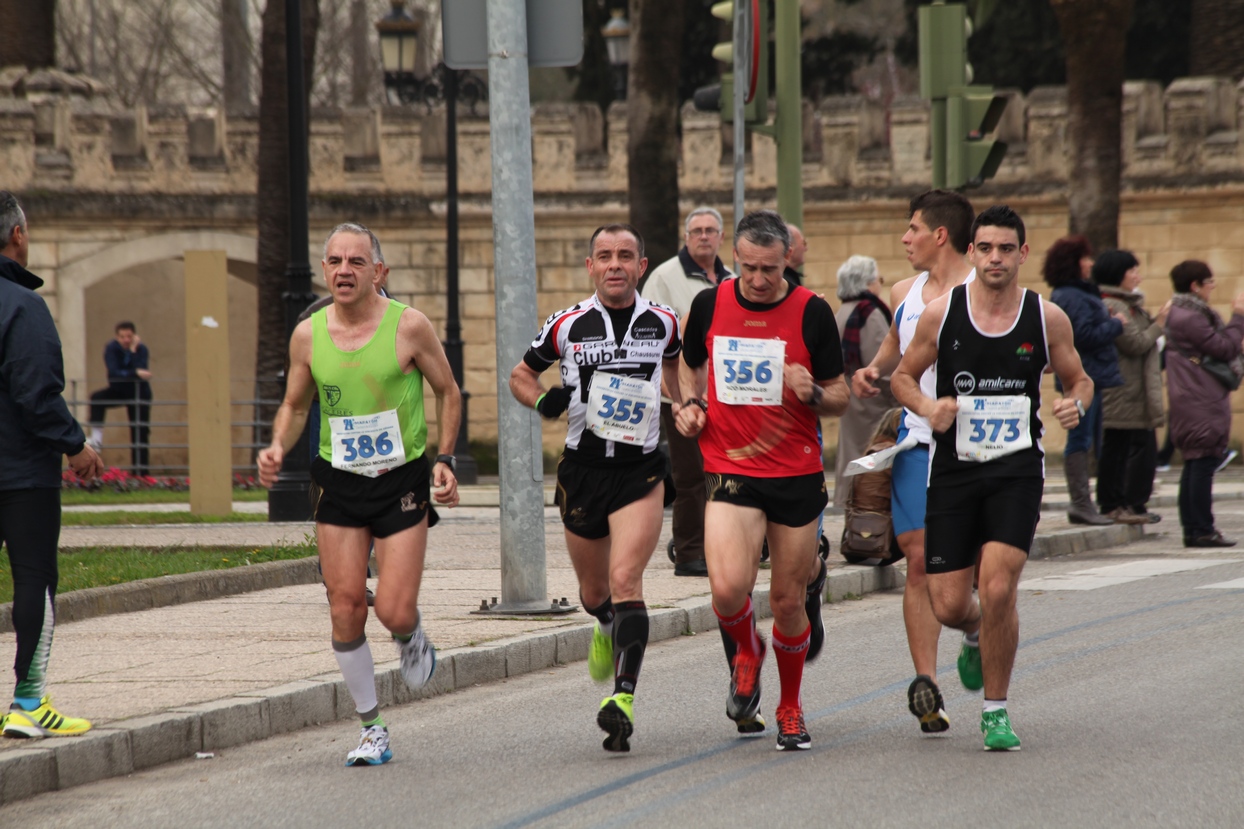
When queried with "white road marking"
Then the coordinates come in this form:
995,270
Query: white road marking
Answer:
1234,584
1116,574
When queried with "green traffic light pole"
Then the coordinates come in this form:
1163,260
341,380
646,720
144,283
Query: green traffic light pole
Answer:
787,129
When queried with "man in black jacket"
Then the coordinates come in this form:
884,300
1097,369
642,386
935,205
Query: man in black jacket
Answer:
37,429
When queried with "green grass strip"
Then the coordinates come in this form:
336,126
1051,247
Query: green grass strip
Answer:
110,519
146,496
102,566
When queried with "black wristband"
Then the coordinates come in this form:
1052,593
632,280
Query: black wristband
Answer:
448,460
696,401
818,394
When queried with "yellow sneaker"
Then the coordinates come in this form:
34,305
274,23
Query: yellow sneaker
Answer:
44,721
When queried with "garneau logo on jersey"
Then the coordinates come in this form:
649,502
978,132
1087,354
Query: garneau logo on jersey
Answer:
966,383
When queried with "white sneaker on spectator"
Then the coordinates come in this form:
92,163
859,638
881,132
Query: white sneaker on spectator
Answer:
1225,461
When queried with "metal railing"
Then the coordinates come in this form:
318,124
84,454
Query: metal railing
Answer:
253,402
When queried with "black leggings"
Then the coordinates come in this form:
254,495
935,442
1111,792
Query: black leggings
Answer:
30,530
136,397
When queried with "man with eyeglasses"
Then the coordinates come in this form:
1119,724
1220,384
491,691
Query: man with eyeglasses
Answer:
675,283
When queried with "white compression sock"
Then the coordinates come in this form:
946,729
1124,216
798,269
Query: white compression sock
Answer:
359,670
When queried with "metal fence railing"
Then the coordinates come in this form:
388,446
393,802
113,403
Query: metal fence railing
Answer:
159,425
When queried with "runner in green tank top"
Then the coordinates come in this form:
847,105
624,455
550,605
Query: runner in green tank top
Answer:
366,357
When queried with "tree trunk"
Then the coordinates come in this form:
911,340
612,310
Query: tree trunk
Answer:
1094,35
652,124
235,55
272,200
28,33
1214,42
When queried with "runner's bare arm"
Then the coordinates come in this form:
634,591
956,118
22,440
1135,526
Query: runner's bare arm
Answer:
525,384
828,399
693,382
864,381
670,386
1065,361
416,331
290,419
922,353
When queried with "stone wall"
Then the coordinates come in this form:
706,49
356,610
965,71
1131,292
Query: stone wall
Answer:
115,192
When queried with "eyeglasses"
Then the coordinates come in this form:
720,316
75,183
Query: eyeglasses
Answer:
695,233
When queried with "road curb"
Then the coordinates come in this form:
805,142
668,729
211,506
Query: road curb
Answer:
127,746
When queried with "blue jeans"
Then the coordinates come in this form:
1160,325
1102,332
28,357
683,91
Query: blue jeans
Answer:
1087,433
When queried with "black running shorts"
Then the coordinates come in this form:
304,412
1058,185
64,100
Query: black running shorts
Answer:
962,515
386,504
792,502
587,495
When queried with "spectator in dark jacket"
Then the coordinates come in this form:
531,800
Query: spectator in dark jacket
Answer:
1132,412
1066,269
38,429
1200,405
128,363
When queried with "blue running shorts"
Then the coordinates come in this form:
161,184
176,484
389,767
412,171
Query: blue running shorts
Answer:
909,487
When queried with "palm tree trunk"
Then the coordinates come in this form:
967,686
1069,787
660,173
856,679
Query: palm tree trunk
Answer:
652,124
28,33
272,199
1094,33
1214,42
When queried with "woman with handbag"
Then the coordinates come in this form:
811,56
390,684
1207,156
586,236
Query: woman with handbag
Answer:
1203,365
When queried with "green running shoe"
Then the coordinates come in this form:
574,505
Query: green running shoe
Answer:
999,736
970,667
617,718
600,656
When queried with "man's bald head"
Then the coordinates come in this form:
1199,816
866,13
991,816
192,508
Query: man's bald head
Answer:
798,247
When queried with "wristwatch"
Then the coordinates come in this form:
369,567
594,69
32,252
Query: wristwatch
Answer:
448,460
1079,407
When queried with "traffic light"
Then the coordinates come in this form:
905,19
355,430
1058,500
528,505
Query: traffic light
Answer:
960,114
720,97
972,112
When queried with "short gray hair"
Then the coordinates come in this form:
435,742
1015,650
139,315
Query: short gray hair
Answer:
855,275
762,228
11,216
354,227
703,210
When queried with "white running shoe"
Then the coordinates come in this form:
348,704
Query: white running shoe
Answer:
373,748
418,658
1227,460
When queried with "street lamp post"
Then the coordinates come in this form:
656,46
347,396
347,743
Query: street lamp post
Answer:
287,500
399,35
617,35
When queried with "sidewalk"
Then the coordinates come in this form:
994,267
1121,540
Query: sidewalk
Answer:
163,683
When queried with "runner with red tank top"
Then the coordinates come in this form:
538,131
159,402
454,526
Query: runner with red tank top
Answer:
761,362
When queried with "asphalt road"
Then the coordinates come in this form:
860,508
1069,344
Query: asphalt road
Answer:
1126,696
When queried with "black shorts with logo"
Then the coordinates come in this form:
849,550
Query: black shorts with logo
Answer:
962,515
386,504
792,502
588,494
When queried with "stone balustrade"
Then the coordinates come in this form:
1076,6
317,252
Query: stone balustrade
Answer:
1184,134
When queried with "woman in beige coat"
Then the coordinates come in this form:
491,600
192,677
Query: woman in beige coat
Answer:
1131,413
863,321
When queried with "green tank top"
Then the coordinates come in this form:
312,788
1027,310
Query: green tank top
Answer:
369,381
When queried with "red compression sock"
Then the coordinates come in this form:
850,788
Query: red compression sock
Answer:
790,653
741,629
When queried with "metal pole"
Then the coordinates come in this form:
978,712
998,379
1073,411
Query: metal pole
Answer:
742,73
468,470
287,500
789,126
521,459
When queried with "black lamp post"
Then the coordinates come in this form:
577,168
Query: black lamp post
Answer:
399,35
287,500
617,35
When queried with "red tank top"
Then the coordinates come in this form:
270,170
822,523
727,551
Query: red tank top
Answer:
760,441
